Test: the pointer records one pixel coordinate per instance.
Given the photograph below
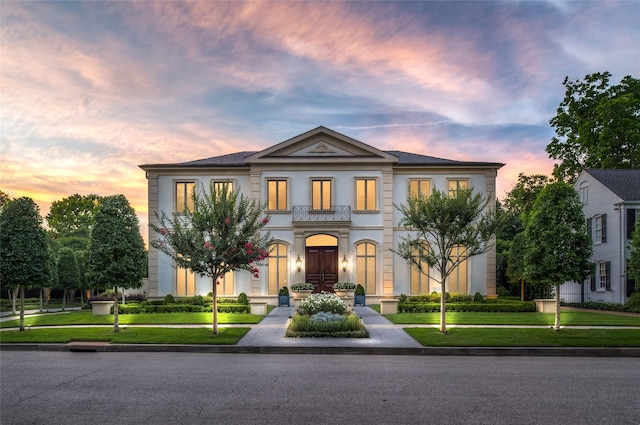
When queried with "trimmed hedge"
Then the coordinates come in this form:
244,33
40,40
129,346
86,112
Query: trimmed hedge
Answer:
180,308
512,307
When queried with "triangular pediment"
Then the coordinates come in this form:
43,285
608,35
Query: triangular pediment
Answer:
321,145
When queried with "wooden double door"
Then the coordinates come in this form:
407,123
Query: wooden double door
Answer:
321,267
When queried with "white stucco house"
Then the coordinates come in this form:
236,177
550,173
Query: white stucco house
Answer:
331,202
611,205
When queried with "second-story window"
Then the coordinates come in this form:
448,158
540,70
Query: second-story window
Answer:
184,196
366,194
277,194
419,187
218,185
321,194
456,184
600,228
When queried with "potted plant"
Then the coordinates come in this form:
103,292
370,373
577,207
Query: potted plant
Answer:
101,304
301,291
359,295
344,289
283,297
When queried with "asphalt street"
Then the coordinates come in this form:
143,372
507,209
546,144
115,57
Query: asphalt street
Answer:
198,388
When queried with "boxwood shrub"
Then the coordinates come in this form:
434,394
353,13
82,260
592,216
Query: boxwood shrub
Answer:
513,307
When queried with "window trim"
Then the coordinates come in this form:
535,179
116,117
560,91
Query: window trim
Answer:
376,208
365,284
331,181
458,180
418,179
214,181
287,181
282,275
176,182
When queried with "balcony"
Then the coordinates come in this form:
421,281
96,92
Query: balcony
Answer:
306,214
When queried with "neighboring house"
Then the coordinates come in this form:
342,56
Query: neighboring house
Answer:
331,202
611,205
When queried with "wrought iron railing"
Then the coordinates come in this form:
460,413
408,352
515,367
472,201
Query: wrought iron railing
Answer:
336,213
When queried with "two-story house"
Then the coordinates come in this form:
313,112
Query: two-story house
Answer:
331,202
611,205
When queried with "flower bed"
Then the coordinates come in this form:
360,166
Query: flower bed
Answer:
323,316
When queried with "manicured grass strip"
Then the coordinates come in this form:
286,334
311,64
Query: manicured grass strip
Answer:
513,337
87,318
567,318
225,336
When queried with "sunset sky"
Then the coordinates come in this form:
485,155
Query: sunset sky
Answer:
90,90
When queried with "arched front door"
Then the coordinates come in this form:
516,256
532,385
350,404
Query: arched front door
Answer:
321,262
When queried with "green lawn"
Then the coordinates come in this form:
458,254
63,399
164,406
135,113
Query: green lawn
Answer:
513,337
567,318
225,336
86,317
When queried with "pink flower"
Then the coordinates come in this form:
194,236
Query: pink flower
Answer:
256,275
227,221
248,246
265,220
163,231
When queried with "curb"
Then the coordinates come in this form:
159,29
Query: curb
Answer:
386,351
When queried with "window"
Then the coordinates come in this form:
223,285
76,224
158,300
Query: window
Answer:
226,285
458,277
185,282
419,187
366,266
456,185
184,196
604,276
365,194
277,267
218,185
277,195
321,194
419,279
584,192
600,228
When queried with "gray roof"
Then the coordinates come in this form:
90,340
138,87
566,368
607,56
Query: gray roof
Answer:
404,159
624,183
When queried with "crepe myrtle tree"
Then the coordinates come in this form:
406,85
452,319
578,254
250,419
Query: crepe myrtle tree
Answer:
221,233
444,232
557,247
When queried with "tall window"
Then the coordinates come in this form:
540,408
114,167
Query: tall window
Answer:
277,267
600,228
184,199
366,266
185,282
456,185
419,280
226,285
321,194
365,194
604,276
418,187
584,192
458,278
277,195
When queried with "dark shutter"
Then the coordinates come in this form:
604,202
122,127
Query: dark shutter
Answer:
631,221
590,228
604,228
607,271
593,277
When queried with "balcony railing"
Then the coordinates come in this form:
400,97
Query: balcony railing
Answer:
336,213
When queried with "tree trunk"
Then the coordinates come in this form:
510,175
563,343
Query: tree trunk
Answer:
40,300
443,297
13,293
47,295
214,305
64,298
522,289
21,307
556,324
115,310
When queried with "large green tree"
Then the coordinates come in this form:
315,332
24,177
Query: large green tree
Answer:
444,231
116,255
73,215
222,233
634,259
68,273
558,247
597,125
515,269
24,253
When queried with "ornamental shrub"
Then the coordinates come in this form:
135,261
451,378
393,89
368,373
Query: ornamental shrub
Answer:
359,289
323,301
284,291
302,286
344,286
242,299
478,298
168,299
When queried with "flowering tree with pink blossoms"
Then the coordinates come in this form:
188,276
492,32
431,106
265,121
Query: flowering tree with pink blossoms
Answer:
220,234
